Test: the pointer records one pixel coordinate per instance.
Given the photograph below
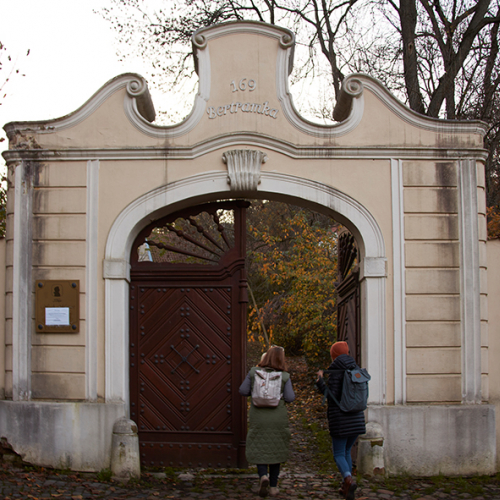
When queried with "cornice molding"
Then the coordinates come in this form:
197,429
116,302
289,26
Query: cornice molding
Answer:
137,92
238,141
416,119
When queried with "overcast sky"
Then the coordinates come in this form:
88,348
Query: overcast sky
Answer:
72,54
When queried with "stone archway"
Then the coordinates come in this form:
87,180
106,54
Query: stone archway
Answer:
211,186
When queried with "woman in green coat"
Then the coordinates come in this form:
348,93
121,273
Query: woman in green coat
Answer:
268,436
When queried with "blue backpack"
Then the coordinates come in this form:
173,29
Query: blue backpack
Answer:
354,390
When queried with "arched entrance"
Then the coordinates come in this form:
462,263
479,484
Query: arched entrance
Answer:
187,337
213,186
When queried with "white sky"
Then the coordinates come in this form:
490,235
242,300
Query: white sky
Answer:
72,55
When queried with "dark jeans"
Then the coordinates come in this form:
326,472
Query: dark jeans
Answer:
274,472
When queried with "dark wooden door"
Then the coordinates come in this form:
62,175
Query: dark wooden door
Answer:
187,338
348,307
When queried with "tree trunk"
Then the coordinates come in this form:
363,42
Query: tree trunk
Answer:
408,18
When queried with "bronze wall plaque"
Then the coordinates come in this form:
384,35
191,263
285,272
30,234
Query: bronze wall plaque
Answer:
57,306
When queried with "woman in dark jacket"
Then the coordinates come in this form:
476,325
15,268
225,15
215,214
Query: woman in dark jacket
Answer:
344,427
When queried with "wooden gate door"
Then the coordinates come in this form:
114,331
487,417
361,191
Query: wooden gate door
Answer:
348,310
187,337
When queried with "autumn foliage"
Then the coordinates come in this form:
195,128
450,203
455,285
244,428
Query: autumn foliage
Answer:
292,263
493,214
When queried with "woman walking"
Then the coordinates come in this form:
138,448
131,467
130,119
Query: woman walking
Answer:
344,427
268,434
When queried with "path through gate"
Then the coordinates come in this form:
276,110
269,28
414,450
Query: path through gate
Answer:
187,337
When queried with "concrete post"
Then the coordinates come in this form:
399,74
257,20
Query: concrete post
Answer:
371,451
125,459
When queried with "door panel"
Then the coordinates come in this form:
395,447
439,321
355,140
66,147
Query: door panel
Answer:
187,327
348,311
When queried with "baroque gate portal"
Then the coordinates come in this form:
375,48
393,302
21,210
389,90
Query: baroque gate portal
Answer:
187,337
409,188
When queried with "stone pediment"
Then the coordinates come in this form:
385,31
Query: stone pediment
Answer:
243,98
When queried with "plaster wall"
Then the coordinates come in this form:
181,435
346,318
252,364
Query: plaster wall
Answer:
491,335
2,315
432,281
99,128
487,379
59,252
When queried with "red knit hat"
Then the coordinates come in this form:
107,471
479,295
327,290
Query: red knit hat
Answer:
339,348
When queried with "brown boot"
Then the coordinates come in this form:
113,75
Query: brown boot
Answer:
349,487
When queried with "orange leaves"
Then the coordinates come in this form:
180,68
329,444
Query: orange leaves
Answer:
493,214
293,270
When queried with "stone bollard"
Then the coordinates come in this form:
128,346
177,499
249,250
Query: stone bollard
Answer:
371,451
125,459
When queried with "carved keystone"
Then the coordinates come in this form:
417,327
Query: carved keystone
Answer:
243,167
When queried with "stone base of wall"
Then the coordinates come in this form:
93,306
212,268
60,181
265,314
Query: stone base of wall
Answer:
427,440
74,436
423,440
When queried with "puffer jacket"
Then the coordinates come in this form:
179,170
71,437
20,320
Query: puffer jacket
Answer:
341,424
268,437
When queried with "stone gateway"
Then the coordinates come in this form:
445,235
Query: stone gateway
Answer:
89,191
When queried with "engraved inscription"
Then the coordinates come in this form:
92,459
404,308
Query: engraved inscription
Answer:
245,107
242,85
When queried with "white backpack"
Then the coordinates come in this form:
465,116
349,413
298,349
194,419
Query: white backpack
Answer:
266,391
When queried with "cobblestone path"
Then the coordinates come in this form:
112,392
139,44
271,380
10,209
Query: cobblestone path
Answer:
307,475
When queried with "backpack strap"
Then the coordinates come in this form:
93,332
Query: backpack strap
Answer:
328,392
252,376
285,377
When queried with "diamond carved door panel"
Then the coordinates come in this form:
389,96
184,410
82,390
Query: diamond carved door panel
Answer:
186,331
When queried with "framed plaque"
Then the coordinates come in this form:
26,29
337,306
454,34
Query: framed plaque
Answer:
57,306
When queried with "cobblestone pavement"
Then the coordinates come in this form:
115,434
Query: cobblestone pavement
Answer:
22,483
303,476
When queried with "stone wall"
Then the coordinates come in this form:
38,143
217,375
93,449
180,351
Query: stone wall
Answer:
432,281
